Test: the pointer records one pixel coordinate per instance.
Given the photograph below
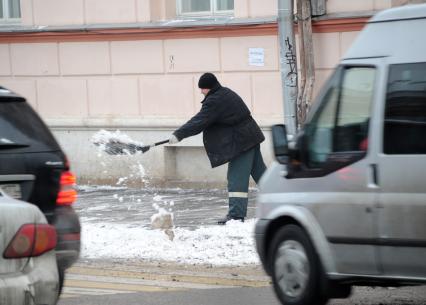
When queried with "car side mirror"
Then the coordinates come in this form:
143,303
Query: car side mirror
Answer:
280,142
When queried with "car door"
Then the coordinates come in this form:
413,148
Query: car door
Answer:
402,172
337,182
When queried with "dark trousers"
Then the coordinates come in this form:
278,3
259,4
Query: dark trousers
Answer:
239,171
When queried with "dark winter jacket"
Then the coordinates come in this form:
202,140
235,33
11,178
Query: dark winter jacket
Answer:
227,126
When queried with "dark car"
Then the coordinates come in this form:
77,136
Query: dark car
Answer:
33,168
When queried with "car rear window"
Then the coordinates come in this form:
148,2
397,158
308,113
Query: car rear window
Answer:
22,130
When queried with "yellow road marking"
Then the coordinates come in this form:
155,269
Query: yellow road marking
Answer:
115,279
213,280
91,291
116,286
68,295
136,281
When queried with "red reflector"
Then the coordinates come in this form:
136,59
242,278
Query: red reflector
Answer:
31,240
67,195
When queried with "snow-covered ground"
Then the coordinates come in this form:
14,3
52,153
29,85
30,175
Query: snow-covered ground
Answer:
232,244
116,220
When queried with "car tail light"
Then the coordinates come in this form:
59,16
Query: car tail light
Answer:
31,240
67,195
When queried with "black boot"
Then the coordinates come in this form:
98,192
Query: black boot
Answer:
224,220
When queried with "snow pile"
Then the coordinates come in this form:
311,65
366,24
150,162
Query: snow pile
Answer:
232,244
163,220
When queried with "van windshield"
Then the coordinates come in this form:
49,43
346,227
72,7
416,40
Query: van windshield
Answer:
22,130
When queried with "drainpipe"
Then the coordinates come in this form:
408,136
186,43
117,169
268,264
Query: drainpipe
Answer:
288,63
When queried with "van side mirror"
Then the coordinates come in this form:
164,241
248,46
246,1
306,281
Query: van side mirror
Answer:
280,142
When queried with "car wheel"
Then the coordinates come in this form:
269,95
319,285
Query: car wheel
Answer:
61,273
296,269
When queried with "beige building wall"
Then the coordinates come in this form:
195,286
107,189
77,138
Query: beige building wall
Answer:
104,80
147,87
66,12
152,77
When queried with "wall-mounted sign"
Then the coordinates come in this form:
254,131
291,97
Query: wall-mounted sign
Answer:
257,57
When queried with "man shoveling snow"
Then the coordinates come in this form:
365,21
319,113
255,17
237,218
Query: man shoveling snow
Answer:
230,135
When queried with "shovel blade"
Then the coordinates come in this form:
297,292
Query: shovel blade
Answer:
143,149
117,148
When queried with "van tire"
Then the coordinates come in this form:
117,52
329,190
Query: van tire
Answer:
297,274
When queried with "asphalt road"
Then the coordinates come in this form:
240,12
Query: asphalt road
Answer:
97,282
250,296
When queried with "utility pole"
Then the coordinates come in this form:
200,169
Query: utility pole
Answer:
288,63
297,100
307,69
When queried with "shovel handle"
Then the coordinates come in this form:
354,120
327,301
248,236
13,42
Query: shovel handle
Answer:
161,142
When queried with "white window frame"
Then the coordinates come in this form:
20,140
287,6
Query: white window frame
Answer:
6,12
213,11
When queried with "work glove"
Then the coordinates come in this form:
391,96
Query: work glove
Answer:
173,139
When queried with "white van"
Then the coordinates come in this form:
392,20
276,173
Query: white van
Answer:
346,205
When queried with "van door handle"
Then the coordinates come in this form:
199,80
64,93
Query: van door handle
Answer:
374,176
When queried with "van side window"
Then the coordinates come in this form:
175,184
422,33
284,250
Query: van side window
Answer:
341,125
405,110
320,131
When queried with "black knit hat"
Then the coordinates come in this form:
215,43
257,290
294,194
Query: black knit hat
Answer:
207,81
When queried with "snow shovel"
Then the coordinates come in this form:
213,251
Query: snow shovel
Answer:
115,147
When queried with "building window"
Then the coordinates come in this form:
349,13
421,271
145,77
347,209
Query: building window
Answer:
205,7
10,10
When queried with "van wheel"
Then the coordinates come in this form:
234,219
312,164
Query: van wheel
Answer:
296,269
